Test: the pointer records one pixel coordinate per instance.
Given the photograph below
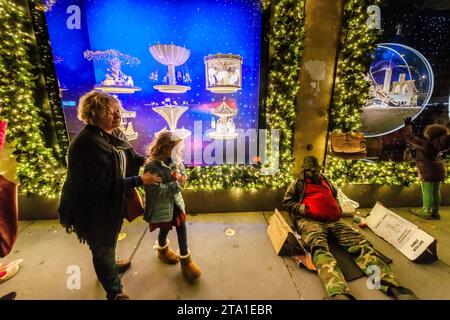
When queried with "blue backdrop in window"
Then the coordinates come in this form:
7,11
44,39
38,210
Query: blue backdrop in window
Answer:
202,26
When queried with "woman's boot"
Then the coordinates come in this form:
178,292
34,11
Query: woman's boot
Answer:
189,268
165,254
423,213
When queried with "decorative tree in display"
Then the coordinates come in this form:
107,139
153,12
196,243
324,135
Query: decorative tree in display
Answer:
116,81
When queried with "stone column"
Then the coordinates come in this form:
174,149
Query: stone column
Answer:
322,36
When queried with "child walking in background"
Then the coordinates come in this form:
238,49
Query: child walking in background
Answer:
430,166
164,203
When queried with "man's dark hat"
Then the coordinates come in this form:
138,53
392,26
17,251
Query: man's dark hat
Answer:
311,163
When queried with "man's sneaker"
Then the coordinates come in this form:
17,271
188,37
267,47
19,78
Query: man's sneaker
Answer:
123,265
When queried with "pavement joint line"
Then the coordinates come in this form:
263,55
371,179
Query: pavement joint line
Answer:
293,278
287,266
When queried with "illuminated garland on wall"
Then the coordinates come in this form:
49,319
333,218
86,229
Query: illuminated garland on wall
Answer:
351,93
37,168
45,53
286,40
352,89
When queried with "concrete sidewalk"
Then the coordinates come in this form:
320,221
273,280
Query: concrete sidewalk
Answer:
243,266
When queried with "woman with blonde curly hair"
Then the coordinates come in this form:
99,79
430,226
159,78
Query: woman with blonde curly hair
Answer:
102,167
430,166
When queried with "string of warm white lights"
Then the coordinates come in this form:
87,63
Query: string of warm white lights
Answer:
37,168
51,82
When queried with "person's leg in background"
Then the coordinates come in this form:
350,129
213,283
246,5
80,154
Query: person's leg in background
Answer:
436,200
314,234
427,201
427,192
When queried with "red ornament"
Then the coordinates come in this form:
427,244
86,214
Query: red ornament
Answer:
3,126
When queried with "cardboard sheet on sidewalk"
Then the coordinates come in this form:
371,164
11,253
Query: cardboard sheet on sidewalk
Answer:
283,238
409,239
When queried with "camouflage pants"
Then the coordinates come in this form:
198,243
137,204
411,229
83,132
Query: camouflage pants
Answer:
315,235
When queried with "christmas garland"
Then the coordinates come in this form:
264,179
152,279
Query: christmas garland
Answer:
37,167
352,88
37,11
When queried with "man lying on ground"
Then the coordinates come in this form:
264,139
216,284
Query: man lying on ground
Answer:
313,208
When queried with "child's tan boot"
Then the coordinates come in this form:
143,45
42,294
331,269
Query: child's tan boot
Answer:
189,268
165,254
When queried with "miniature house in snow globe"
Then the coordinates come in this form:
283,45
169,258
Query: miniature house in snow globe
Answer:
402,83
223,73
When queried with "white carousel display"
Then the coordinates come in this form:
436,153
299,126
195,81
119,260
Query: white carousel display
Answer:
223,73
117,82
171,56
224,126
172,112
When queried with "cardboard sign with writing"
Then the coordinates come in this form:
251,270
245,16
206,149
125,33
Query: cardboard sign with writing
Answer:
283,237
409,239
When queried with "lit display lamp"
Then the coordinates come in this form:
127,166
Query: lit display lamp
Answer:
171,56
223,73
171,112
224,126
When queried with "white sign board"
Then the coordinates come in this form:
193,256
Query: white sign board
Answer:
402,234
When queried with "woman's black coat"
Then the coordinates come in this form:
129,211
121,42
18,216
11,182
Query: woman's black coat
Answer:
91,202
